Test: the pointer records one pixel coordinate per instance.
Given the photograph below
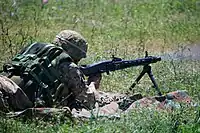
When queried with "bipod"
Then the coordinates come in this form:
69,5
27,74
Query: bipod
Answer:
147,69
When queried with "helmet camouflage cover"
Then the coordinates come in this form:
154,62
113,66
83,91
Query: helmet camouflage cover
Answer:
73,43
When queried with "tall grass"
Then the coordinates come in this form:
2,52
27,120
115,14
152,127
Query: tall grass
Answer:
123,28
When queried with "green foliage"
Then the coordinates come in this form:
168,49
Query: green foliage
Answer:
17,126
124,28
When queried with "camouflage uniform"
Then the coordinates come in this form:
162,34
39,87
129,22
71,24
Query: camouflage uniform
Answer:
11,96
73,83
76,46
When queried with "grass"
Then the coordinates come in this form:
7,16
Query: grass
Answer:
140,121
124,28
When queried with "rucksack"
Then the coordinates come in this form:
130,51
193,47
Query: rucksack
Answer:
34,65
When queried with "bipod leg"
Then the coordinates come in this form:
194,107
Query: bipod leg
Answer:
149,72
139,77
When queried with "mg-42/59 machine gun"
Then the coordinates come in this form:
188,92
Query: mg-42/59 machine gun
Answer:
118,64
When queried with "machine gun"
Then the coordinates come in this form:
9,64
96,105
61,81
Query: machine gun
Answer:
118,64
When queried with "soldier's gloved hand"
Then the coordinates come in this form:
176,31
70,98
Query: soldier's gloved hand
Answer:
96,79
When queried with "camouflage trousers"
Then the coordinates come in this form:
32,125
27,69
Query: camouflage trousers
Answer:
12,96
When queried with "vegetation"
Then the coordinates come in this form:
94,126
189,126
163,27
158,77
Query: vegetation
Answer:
123,28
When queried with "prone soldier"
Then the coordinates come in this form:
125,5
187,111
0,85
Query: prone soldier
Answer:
44,81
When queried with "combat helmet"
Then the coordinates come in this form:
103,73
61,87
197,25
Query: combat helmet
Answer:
73,43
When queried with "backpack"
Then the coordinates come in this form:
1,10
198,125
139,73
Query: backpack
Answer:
34,65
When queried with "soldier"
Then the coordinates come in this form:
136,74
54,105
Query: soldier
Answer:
76,46
18,93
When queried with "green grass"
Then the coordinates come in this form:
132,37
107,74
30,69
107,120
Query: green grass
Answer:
124,28
140,121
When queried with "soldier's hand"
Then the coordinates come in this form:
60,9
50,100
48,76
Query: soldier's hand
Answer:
96,79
